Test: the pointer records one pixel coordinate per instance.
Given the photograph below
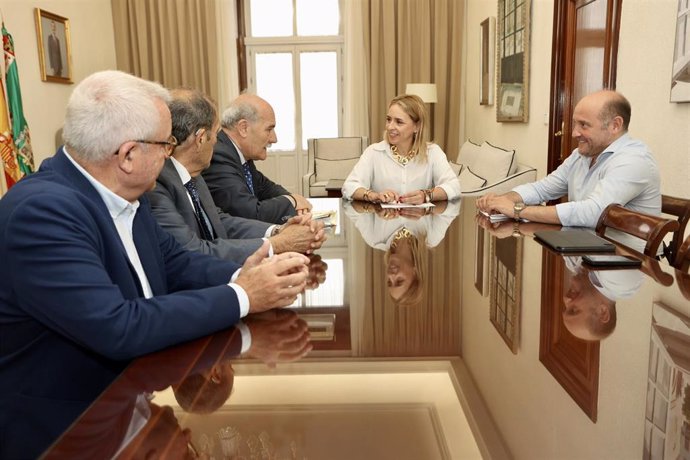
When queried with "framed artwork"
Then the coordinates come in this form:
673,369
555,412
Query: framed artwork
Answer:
680,78
54,47
487,53
512,60
573,362
481,257
667,412
505,288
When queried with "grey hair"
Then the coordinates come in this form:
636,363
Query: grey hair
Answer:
190,110
109,108
239,109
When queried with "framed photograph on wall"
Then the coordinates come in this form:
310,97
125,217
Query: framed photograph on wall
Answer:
487,59
54,47
680,78
512,60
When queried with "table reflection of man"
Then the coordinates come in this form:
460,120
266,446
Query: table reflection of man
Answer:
54,52
405,235
126,422
590,298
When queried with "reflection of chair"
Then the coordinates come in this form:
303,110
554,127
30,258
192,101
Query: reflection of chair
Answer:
683,257
679,207
683,281
330,158
650,267
651,229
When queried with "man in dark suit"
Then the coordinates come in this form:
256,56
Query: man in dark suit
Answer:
238,188
54,51
87,270
201,226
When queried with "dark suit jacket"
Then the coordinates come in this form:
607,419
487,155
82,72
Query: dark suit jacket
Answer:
225,179
66,284
237,237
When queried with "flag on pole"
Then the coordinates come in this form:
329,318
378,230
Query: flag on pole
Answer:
20,128
7,149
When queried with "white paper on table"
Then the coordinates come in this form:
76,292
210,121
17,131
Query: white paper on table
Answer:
406,205
499,217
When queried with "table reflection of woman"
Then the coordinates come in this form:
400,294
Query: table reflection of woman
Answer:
405,166
590,298
405,235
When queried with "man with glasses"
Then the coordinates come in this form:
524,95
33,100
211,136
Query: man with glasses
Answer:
89,278
182,203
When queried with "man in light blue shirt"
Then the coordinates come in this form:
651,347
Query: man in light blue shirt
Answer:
607,167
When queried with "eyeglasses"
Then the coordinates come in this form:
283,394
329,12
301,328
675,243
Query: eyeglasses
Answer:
168,145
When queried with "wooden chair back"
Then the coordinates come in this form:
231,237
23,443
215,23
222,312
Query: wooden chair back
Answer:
680,208
651,229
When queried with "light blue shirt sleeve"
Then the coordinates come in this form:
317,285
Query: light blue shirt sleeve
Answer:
625,173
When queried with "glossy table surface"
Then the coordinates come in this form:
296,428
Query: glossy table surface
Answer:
474,360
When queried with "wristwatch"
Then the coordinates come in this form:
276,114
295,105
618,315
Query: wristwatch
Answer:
516,229
517,208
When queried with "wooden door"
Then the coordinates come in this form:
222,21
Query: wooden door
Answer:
584,50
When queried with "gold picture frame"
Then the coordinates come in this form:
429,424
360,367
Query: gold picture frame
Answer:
512,60
487,51
54,47
505,291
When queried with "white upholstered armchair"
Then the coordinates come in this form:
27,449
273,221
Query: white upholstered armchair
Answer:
330,159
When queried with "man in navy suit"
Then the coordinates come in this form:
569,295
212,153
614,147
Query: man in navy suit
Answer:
88,272
201,226
238,188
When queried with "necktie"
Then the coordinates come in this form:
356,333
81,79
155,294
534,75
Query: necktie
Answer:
204,227
248,176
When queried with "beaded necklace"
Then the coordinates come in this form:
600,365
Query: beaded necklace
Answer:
402,159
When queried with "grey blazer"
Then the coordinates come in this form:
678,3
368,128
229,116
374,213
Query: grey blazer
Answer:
237,237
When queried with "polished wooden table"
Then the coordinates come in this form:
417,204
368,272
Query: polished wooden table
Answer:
474,360
333,188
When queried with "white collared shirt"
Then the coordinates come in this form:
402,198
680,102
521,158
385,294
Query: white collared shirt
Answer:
378,170
122,212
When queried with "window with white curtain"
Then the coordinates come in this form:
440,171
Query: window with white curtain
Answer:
294,61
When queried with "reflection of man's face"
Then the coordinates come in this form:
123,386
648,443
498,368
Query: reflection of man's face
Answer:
585,307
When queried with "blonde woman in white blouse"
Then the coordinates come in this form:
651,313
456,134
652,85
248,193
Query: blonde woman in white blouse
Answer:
405,167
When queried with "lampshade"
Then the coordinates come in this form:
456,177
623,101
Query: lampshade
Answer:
426,91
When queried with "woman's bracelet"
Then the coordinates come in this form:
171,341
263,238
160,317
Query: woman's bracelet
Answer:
365,197
428,195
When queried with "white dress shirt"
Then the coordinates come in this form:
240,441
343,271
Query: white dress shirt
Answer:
378,170
122,213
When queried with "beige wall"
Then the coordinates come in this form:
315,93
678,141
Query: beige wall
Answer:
93,48
644,71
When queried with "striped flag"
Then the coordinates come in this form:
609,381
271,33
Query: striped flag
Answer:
20,129
7,149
